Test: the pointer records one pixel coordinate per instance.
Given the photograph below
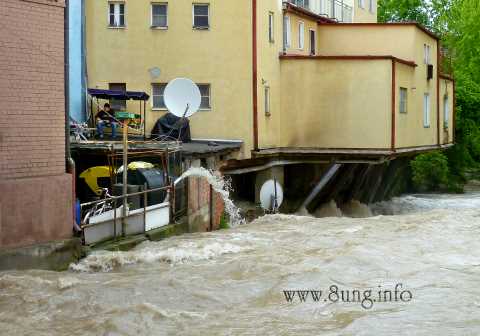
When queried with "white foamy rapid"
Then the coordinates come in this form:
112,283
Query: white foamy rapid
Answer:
173,252
352,209
426,202
221,186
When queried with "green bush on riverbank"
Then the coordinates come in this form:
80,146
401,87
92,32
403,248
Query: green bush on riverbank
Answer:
430,171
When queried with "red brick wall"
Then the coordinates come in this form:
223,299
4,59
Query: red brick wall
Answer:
218,209
32,106
199,210
35,191
35,210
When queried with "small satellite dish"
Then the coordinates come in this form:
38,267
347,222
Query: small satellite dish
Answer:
182,97
271,195
155,72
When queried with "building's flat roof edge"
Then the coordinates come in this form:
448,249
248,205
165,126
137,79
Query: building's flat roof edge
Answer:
349,151
381,24
350,57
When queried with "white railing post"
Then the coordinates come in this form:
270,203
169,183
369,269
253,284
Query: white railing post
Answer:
342,12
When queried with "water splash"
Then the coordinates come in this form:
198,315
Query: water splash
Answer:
222,187
172,253
356,209
329,209
352,209
426,202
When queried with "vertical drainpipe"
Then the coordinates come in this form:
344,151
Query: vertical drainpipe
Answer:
454,116
393,105
255,73
438,93
70,164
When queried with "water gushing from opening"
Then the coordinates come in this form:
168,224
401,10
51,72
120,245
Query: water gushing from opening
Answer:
222,187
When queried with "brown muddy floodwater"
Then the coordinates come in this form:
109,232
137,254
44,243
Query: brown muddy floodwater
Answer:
232,282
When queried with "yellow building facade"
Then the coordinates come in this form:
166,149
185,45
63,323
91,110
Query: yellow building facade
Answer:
283,77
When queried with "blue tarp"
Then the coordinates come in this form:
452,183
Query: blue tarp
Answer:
118,95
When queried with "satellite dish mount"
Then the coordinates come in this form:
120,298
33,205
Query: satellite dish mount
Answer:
271,196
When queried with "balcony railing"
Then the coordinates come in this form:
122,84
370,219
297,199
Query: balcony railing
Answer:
332,9
301,3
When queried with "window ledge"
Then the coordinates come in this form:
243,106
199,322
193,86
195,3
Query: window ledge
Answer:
159,28
205,109
200,28
160,109
116,27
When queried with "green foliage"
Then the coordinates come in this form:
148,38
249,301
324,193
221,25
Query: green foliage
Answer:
458,24
403,11
462,38
430,171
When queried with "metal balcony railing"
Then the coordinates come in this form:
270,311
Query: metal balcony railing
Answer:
332,9
301,3
336,9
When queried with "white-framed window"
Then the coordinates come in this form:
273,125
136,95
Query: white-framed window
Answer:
116,14
446,111
205,91
201,16
403,100
271,27
313,42
426,54
426,110
372,6
361,3
287,32
158,101
267,101
301,35
159,15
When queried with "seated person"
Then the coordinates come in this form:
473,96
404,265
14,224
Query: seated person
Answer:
105,119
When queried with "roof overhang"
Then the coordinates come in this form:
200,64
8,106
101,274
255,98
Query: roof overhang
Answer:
119,95
350,57
383,25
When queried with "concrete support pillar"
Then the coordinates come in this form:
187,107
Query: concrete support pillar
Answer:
261,177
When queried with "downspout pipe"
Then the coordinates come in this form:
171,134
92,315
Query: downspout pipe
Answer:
69,162
438,93
254,75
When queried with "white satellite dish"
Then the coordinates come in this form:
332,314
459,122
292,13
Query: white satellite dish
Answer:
182,97
271,195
